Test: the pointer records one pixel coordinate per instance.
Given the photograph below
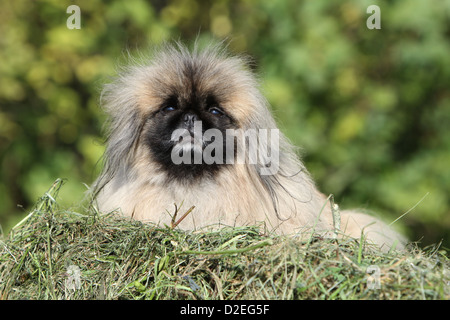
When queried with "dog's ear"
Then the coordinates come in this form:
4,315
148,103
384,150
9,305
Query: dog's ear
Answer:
122,129
123,138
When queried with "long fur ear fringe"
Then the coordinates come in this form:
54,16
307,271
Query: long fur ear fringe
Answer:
123,128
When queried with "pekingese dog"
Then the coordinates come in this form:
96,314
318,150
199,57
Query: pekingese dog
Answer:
190,128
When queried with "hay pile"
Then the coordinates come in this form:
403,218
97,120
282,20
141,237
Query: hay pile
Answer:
60,254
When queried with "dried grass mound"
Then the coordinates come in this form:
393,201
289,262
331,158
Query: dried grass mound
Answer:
61,254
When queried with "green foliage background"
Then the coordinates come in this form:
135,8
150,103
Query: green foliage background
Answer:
370,108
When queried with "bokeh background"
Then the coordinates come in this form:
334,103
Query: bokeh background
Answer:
370,108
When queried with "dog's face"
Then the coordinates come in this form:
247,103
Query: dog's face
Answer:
177,129
183,100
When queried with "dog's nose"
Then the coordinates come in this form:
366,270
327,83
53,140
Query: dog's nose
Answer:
189,119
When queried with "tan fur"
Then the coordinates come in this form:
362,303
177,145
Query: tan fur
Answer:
286,203
242,201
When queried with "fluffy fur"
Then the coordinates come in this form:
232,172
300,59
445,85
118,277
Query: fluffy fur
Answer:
139,179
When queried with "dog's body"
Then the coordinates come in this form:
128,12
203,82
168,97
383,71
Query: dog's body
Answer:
175,89
236,198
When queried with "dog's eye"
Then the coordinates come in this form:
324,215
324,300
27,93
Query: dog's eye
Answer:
169,108
215,111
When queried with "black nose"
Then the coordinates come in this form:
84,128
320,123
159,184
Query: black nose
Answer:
189,119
